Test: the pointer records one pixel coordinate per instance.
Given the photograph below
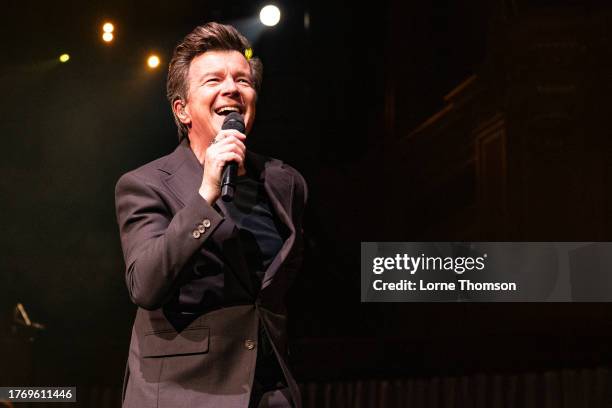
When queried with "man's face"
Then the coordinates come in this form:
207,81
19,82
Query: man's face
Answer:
219,82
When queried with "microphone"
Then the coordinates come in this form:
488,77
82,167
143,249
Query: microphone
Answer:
228,179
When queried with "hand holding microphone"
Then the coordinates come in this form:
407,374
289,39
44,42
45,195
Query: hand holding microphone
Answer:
224,157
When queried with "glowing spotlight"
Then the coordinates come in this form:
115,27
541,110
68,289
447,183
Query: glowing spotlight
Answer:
108,27
108,37
153,61
64,58
270,15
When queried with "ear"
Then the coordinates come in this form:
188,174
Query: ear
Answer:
181,110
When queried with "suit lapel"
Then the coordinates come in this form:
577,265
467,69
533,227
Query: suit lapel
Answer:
279,186
183,178
184,175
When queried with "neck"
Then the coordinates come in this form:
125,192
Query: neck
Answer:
198,146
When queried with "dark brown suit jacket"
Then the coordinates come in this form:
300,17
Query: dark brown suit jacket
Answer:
194,340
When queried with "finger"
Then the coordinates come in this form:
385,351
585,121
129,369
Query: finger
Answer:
214,156
231,135
229,157
230,141
213,152
224,134
230,132
226,147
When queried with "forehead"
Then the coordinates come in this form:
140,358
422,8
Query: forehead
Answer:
215,61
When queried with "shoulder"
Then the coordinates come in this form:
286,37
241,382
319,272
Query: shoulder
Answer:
149,174
141,188
272,164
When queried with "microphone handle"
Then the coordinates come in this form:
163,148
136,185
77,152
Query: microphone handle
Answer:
228,186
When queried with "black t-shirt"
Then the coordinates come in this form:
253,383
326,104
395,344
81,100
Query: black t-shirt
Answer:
261,236
257,225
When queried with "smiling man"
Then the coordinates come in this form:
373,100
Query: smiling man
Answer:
219,82
209,277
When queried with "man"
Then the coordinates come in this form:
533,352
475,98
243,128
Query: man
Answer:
210,277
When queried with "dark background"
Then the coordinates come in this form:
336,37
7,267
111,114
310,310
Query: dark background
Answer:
443,121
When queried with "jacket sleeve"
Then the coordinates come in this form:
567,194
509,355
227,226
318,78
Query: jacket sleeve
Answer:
157,245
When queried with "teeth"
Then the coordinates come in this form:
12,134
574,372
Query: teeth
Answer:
227,109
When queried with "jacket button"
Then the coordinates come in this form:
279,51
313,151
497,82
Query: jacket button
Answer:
249,344
196,234
201,228
206,223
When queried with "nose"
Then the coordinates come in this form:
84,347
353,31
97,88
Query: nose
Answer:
229,86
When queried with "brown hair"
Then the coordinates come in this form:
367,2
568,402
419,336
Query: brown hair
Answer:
208,37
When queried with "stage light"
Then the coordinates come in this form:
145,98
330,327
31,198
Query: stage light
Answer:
269,15
107,37
64,58
153,61
108,27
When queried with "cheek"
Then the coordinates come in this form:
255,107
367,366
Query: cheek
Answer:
252,111
251,102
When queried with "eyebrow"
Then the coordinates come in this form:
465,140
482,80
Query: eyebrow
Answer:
207,73
221,71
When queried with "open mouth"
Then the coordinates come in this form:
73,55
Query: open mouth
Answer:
226,110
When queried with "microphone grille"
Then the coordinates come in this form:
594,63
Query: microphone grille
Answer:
234,121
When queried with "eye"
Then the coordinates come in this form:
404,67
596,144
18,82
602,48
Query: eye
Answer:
211,81
244,81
